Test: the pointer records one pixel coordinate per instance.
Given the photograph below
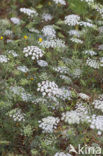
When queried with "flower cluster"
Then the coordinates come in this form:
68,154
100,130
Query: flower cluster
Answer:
13,53
88,1
76,40
48,124
15,20
33,30
9,41
49,31
71,117
83,111
8,32
20,91
42,63
76,116
62,2
100,47
53,43
100,29
62,70
26,97
77,73
98,8
90,52
33,51
101,61
47,17
72,20
66,78
17,115
48,88
23,69
75,33
93,63
3,59
81,107
17,89
97,123
83,96
29,12
62,154
98,104
86,24
65,94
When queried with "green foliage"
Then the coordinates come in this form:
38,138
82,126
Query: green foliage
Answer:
22,106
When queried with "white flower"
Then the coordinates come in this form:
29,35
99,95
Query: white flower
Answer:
47,17
17,90
99,8
100,29
13,53
81,108
72,20
71,117
83,112
17,115
100,22
100,47
62,2
76,116
9,41
75,33
100,97
34,30
76,40
8,32
66,78
61,69
62,154
88,1
93,63
26,97
3,59
49,31
86,24
33,51
23,69
48,124
101,61
40,100
77,72
15,20
65,94
98,104
42,63
99,133
5,22
97,123
53,43
83,96
90,52
29,12
48,88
